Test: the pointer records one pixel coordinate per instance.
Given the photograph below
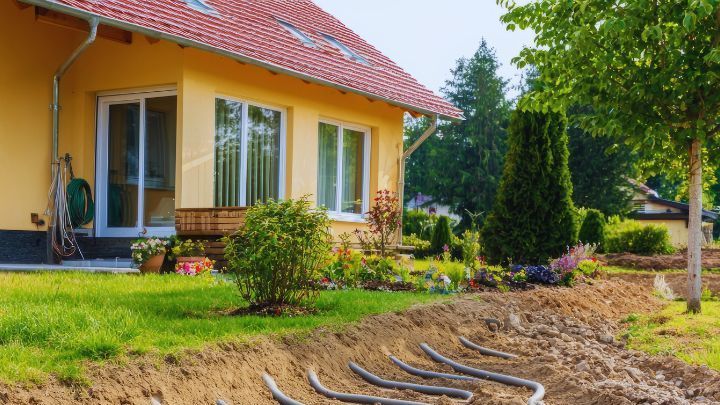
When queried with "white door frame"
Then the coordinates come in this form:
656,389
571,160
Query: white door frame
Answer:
104,102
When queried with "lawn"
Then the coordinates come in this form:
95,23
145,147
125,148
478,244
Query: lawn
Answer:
692,338
54,323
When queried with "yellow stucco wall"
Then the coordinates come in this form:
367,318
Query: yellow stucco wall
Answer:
32,51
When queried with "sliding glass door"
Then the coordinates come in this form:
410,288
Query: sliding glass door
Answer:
136,159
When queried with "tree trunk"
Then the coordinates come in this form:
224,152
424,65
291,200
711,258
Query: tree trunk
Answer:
694,282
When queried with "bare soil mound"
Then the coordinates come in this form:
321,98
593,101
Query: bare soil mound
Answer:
710,260
564,337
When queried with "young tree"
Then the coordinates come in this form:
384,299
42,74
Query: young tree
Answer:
533,217
462,166
649,70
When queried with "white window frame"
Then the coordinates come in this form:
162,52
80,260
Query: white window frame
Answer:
338,215
104,101
244,149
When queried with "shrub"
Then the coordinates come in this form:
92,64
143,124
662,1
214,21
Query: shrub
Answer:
278,253
419,223
383,220
533,218
633,237
593,228
422,247
441,237
470,249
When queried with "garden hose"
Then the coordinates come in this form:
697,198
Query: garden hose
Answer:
80,203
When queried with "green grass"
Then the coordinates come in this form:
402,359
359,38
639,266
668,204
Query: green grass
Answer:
54,323
693,338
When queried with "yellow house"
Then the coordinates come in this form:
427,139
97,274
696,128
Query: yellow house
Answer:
649,208
179,104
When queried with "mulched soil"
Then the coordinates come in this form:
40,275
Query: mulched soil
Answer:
566,339
710,260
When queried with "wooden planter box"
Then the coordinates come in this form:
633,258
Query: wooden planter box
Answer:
209,224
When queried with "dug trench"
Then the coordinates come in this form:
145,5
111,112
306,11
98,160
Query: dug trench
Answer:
566,339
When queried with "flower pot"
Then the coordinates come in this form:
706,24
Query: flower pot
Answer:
153,264
198,259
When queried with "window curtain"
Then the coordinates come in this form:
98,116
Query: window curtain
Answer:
263,160
352,175
228,149
327,166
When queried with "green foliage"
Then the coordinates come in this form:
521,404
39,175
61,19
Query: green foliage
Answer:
187,248
419,223
633,237
470,249
533,218
279,251
593,228
442,236
463,168
422,247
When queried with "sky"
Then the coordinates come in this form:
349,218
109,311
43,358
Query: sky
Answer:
427,37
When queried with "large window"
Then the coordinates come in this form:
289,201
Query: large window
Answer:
343,169
249,153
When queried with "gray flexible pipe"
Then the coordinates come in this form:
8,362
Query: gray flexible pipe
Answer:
539,390
425,389
277,394
485,350
358,399
429,374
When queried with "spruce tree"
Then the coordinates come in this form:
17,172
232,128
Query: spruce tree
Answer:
533,217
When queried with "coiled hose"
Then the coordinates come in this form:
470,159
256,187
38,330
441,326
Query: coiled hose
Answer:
80,203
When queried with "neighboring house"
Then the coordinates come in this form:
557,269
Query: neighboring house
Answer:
182,104
649,208
426,203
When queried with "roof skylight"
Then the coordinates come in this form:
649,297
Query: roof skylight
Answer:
344,49
202,6
297,33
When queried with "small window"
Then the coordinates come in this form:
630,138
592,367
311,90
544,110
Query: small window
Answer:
201,5
297,33
343,169
344,49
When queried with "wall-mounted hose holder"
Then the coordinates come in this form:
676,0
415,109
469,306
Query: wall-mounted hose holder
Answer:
277,394
539,390
425,389
429,374
485,350
358,399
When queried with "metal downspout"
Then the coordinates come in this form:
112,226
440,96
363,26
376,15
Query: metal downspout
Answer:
94,22
401,177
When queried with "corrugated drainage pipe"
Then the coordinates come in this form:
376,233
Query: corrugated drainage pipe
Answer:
539,390
277,394
425,389
357,399
429,374
485,350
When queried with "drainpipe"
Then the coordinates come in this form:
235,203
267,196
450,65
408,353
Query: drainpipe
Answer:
401,177
94,22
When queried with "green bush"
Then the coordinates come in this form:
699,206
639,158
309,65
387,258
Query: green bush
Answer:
593,228
278,253
633,237
533,218
419,223
470,249
422,247
442,236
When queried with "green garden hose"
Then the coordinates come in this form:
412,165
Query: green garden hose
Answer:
80,202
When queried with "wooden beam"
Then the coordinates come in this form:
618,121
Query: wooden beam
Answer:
64,20
21,6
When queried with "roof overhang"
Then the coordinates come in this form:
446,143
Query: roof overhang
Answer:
62,8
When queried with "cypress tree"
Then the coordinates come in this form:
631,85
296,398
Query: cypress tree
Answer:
441,236
593,228
533,218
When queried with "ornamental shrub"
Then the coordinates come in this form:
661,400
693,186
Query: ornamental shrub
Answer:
422,247
279,252
533,218
418,223
630,236
593,228
441,236
383,221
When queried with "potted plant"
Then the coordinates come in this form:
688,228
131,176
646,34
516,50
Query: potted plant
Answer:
190,257
149,254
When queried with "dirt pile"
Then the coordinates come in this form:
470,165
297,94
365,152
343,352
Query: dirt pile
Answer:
565,339
710,260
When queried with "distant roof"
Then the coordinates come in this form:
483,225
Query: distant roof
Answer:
653,196
249,30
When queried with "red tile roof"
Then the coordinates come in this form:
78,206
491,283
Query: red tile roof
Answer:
248,30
